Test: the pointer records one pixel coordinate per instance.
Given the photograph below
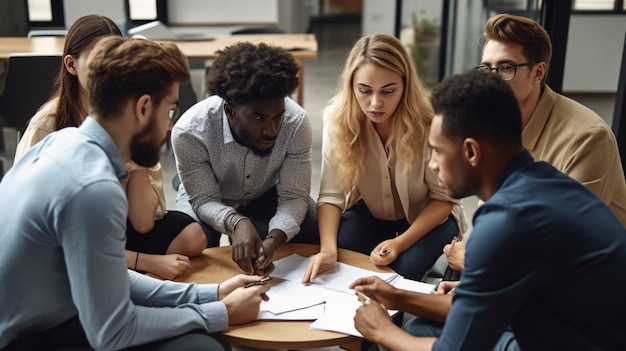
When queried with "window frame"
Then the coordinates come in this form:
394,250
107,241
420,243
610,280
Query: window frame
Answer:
618,8
161,10
58,16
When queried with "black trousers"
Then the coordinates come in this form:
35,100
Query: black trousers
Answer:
70,336
261,210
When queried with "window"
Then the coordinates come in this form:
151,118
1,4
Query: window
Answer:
617,6
46,13
144,11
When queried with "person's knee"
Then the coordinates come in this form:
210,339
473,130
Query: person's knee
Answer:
422,327
189,342
195,241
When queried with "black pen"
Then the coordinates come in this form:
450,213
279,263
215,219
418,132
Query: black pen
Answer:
263,281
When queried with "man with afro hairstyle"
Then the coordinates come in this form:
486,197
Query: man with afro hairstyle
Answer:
244,156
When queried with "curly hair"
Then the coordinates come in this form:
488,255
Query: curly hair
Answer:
244,73
534,39
121,68
347,122
481,106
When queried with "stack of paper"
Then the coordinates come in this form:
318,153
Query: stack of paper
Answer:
327,299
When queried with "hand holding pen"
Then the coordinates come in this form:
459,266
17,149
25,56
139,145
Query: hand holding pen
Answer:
384,253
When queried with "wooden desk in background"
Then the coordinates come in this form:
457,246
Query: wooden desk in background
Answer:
216,265
301,46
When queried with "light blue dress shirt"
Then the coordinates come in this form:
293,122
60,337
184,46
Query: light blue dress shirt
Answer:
63,218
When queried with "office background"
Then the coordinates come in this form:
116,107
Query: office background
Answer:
592,59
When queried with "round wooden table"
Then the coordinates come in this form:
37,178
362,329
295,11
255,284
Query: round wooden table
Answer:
216,265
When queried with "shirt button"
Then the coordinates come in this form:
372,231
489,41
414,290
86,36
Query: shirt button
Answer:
248,176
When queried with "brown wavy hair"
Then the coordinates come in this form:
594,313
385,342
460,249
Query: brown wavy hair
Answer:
120,69
347,123
534,39
86,29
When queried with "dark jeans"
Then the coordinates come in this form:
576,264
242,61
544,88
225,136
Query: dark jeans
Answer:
360,231
423,327
261,210
70,336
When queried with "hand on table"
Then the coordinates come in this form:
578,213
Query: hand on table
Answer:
246,246
264,265
242,304
320,263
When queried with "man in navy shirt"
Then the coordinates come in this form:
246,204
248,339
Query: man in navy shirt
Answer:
541,245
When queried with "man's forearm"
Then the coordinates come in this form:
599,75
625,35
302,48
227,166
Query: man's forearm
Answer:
428,306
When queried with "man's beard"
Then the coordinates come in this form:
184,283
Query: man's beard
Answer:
243,138
145,147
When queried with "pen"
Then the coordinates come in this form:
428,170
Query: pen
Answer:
263,281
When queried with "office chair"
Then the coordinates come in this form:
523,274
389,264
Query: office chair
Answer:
258,30
28,85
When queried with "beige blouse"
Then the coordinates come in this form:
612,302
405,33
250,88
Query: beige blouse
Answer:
382,177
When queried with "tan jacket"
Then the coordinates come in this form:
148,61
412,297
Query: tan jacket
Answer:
576,141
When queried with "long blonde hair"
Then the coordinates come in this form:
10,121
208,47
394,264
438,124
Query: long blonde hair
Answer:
347,123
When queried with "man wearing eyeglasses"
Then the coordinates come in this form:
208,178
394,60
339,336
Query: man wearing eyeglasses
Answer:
556,129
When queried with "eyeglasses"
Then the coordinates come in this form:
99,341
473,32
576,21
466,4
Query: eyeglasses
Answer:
506,71
174,114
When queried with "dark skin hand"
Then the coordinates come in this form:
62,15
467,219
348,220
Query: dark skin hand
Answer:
434,307
274,240
251,254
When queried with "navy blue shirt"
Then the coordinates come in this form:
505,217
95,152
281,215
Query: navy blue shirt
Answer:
546,257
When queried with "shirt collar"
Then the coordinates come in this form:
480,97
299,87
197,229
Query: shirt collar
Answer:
539,119
518,161
100,136
228,135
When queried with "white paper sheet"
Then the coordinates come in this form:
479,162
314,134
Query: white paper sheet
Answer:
288,296
337,278
412,285
339,315
305,314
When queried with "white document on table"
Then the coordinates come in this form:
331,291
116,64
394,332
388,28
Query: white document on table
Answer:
287,296
327,299
339,316
413,285
338,278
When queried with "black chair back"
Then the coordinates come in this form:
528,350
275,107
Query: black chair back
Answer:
28,85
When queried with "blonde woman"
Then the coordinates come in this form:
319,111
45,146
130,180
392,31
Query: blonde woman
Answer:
377,195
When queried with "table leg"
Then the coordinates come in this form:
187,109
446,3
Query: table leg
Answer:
353,346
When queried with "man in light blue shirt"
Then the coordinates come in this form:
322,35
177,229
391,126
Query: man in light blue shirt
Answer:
63,213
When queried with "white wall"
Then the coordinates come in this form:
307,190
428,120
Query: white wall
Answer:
594,53
114,9
219,12
378,17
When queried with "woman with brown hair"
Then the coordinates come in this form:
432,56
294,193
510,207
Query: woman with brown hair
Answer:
158,241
